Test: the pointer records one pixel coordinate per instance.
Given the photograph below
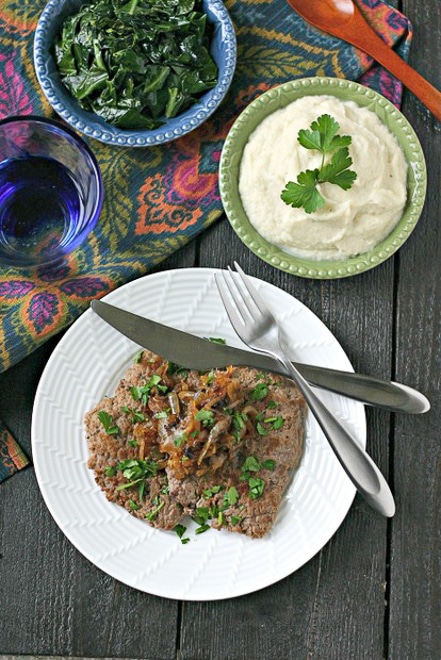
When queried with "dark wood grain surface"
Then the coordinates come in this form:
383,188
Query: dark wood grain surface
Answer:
374,591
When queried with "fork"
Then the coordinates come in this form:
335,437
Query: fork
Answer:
254,323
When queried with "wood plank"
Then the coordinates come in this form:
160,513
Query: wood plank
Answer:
415,592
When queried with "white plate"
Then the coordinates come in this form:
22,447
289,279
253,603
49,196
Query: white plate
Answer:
86,365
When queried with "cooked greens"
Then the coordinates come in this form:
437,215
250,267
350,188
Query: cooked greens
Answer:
134,63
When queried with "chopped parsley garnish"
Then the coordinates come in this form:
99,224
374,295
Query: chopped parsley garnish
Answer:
231,496
256,486
217,340
210,377
261,430
180,439
107,421
201,515
239,419
138,357
276,422
163,414
269,464
142,392
175,369
180,531
133,468
136,472
259,392
214,490
137,416
249,468
322,136
152,515
251,464
206,417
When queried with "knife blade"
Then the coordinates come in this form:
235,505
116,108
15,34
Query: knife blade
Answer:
194,352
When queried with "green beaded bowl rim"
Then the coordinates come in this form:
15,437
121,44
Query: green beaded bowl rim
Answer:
279,97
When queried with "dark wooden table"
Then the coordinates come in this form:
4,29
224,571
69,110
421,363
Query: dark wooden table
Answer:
374,591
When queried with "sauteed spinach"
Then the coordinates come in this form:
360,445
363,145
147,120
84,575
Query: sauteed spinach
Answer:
134,63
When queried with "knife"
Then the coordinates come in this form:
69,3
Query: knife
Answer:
193,352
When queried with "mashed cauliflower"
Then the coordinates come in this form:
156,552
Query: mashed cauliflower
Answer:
352,221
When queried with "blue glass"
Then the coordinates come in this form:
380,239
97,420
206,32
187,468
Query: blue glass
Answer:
50,191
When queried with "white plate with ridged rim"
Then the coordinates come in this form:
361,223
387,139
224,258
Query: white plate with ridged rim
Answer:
86,365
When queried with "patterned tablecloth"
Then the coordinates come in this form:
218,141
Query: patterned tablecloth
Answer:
159,198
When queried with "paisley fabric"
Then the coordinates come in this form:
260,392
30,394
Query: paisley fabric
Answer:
12,457
159,198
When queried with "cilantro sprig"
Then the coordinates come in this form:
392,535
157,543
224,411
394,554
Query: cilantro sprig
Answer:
322,136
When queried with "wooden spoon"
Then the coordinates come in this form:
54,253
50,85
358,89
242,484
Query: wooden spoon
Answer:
343,19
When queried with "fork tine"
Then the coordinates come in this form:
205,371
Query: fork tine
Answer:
255,295
236,320
241,305
239,294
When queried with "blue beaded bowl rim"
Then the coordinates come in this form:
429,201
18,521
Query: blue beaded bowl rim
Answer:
345,90
223,50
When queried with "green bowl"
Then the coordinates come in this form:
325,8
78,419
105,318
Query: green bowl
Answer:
279,97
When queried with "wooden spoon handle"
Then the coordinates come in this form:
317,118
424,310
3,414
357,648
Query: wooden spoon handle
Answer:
373,45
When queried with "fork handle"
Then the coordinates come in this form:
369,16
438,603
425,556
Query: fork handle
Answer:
357,464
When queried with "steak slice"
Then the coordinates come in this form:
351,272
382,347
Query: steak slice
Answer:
219,446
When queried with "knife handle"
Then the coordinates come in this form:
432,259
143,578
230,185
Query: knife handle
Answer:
367,389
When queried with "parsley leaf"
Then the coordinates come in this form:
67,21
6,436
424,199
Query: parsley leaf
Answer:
206,417
180,531
231,496
304,192
259,392
321,136
337,170
256,486
217,340
136,472
152,515
142,393
107,421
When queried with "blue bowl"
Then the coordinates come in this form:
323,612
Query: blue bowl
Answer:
223,51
